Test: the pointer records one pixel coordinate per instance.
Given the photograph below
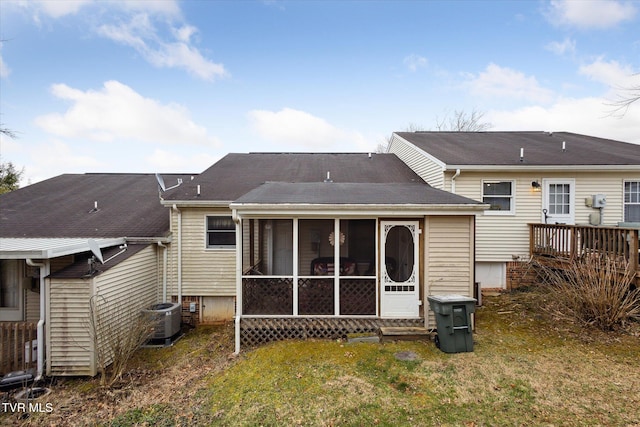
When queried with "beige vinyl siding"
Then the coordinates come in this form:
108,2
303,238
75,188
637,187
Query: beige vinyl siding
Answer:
500,237
69,346
449,257
427,168
32,306
205,272
123,291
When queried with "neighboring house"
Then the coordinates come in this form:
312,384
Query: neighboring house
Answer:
45,273
526,177
316,244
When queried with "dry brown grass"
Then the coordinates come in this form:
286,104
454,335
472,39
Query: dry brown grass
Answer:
526,369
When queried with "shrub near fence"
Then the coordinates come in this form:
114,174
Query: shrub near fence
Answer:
13,339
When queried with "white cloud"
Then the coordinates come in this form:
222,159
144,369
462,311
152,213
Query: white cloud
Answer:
413,62
504,82
60,158
302,130
567,46
4,69
61,8
117,112
589,116
598,14
146,26
141,34
610,73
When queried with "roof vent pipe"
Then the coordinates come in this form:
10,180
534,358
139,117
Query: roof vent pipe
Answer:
522,154
564,146
198,190
328,178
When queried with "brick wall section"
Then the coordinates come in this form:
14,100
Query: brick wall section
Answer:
520,273
189,318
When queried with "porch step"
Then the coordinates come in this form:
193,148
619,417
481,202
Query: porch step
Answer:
395,333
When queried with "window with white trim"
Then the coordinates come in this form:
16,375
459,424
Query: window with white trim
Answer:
221,232
499,195
632,201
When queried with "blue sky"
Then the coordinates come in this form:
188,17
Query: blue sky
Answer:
168,86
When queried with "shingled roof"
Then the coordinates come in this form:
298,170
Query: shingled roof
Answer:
351,194
236,174
539,149
128,205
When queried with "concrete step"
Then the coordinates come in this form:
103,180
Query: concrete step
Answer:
395,333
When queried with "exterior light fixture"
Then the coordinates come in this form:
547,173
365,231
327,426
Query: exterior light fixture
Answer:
535,186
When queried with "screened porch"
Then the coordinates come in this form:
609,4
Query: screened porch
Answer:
309,267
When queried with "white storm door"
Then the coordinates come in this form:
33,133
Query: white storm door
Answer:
558,201
399,267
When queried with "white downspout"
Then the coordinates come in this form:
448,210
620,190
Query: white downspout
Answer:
453,181
175,208
40,328
236,220
164,270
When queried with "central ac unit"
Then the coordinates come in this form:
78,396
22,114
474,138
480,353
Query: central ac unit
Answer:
168,316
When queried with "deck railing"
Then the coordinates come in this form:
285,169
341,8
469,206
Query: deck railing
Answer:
580,242
17,346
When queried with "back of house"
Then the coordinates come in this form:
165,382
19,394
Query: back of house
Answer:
527,177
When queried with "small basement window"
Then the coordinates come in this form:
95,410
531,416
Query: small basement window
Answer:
499,195
221,232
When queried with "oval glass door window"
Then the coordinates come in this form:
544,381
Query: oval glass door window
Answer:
399,255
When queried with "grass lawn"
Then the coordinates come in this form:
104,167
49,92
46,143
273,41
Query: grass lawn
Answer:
526,369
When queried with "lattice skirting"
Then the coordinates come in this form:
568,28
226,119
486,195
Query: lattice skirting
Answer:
256,331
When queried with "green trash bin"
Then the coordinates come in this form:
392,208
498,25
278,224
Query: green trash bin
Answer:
453,321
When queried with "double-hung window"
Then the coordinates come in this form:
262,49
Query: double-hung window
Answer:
221,232
500,196
632,201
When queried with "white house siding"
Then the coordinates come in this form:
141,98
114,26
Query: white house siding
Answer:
500,237
126,289
128,286
448,257
69,345
205,272
424,165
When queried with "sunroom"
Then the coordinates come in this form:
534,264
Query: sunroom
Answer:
328,259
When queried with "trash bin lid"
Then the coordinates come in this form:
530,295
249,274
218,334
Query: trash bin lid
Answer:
450,298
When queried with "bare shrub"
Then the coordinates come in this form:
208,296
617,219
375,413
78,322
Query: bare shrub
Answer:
117,331
597,292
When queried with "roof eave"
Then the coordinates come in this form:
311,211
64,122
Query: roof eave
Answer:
200,203
301,209
60,250
585,168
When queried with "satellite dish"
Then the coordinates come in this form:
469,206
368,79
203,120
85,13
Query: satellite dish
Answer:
161,182
95,249
163,186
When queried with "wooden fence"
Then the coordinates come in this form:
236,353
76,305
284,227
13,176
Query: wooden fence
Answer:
583,242
17,346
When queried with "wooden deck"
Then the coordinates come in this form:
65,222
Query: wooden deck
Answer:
571,243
